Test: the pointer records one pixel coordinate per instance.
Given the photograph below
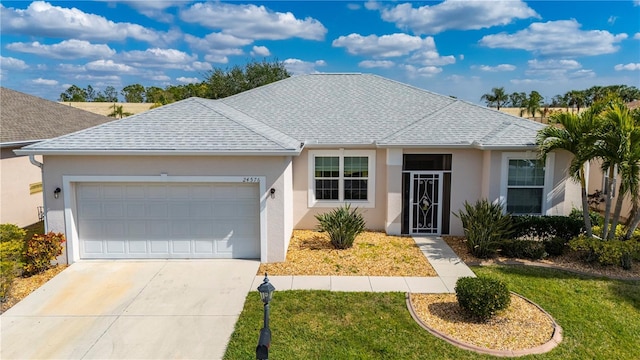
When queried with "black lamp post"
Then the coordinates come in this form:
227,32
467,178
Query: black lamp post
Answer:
266,294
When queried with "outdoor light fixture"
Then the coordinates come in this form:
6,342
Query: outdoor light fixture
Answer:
266,294
273,193
56,192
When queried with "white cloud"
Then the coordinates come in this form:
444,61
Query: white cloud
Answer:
426,71
553,68
637,36
372,5
67,49
380,46
45,20
582,73
260,51
156,57
187,80
370,64
216,41
456,14
561,38
629,66
353,6
612,19
253,22
108,66
497,68
47,82
159,77
525,81
9,63
298,67
201,66
153,9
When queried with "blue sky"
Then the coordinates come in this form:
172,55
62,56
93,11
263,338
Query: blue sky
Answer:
461,48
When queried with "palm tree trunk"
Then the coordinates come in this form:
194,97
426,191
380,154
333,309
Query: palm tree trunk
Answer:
585,204
633,225
607,204
616,212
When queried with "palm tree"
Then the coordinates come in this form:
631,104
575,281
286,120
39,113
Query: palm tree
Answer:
575,134
118,112
534,103
497,97
619,148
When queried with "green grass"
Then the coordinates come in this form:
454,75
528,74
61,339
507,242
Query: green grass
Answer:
600,319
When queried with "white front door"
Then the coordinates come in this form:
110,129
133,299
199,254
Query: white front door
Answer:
425,202
168,220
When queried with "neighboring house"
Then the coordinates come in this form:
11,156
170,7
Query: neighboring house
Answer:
24,120
233,177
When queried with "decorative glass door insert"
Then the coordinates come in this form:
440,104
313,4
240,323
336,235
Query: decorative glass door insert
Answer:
425,215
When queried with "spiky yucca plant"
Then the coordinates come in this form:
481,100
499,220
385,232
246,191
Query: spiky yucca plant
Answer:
342,225
485,226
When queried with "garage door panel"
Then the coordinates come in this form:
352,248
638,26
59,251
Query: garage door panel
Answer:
125,220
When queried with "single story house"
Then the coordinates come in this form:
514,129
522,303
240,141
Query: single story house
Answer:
232,178
25,120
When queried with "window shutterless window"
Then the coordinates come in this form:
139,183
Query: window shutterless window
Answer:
341,176
527,183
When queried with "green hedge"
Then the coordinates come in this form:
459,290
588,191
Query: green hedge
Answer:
482,297
545,228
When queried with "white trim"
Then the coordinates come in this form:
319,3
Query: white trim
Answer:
548,177
341,153
70,205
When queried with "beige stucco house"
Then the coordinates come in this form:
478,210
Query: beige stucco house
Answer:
233,177
24,120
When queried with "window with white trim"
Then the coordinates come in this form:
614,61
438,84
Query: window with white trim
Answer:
341,176
527,183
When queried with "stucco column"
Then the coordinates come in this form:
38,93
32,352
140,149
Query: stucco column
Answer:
393,222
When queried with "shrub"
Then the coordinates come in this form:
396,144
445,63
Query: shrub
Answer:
482,297
40,250
11,232
530,227
609,252
555,246
485,226
10,264
342,224
524,249
621,231
596,218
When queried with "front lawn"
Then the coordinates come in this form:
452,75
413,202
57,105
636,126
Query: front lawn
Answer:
600,319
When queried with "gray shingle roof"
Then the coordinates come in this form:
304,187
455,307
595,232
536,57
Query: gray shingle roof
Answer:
27,118
193,125
319,110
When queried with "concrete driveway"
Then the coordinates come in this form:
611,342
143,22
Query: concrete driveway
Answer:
130,310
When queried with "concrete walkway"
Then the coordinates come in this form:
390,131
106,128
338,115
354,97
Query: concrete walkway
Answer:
444,261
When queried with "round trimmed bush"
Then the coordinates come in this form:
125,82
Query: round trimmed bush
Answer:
482,297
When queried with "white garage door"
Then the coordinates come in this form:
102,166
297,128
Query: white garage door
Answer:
168,220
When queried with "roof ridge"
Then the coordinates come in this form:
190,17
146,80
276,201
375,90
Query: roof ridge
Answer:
382,140
251,123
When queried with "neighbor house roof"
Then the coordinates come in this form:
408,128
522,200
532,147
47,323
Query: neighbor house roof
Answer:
319,110
27,118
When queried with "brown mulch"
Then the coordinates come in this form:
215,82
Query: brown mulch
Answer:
23,286
570,261
521,326
373,254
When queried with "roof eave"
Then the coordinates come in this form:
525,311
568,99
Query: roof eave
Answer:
287,152
19,143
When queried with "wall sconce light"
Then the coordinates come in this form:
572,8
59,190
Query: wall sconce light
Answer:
273,193
56,192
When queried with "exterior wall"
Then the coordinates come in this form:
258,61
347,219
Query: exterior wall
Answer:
18,206
595,182
304,217
274,169
566,191
106,108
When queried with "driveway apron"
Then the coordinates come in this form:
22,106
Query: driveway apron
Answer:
174,309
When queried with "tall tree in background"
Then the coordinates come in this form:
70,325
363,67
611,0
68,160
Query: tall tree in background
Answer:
133,93
518,99
118,112
534,103
576,98
74,93
222,83
497,97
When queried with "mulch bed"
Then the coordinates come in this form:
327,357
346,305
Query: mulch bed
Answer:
373,254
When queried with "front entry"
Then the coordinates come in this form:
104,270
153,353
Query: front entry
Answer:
426,183
425,208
